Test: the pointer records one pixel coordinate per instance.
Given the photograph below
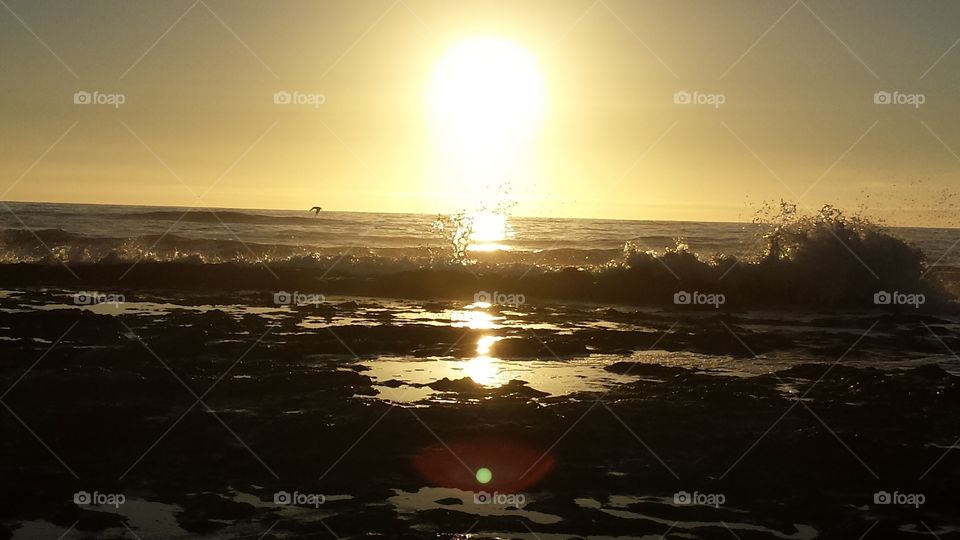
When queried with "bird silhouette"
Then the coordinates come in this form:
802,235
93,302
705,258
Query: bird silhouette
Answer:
316,210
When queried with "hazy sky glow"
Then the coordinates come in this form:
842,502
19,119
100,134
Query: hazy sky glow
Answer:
786,90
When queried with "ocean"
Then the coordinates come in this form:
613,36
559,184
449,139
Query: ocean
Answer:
92,232
343,244
80,232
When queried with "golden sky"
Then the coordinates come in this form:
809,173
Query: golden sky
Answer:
686,110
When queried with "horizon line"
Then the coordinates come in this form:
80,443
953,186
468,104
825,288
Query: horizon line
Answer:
212,208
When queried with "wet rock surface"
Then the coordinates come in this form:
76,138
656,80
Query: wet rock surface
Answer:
202,416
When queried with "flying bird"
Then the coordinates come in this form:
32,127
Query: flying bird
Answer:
316,210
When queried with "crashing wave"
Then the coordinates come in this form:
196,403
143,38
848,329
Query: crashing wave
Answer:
823,259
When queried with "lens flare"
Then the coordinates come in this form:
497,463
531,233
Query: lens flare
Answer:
462,464
484,475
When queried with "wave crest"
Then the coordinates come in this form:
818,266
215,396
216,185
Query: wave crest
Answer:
822,259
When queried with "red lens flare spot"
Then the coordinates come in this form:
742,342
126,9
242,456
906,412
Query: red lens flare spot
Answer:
512,466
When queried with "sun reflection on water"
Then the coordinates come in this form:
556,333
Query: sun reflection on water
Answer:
489,231
484,369
484,344
474,320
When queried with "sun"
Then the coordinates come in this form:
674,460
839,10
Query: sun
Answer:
487,91
486,101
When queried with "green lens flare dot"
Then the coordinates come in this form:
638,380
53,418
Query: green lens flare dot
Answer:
484,475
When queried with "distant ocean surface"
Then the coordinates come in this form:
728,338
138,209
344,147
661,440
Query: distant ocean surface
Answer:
81,232
89,232
378,243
